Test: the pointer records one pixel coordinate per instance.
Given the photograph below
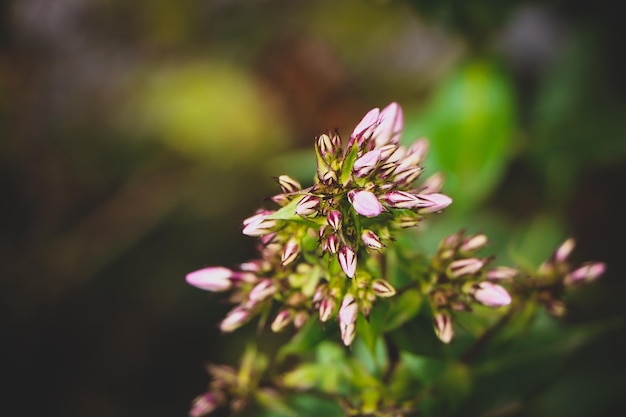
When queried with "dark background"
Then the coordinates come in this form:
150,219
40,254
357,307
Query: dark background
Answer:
135,136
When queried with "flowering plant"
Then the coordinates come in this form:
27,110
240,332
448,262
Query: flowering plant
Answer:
330,252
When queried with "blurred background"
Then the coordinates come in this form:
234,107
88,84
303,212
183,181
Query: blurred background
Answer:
135,137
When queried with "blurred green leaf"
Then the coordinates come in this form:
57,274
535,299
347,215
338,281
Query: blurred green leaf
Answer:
403,308
470,123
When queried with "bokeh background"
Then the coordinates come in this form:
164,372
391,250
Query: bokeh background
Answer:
135,136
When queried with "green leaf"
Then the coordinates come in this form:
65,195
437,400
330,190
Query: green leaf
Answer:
287,212
348,164
470,123
403,308
304,341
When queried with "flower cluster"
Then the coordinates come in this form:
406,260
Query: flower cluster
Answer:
556,274
313,248
324,253
457,279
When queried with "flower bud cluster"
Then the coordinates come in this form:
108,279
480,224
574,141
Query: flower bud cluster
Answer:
314,246
458,279
556,274
230,386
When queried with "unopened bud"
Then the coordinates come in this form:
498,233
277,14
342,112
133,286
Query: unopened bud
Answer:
443,327
390,126
288,184
300,319
234,319
325,146
282,320
308,206
365,203
501,273
366,126
433,203
407,176
466,266
332,243
290,251
382,288
214,279
327,308
347,260
204,404
262,290
402,200
586,273
334,219
432,184
371,239
473,243
366,164
492,295
564,250
348,310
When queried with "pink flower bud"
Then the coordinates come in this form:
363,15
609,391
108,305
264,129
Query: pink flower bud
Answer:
383,289
300,319
290,251
473,243
258,225
365,203
366,164
282,320
366,125
214,279
371,239
348,331
347,260
325,146
564,250
586,273
288,184
390,126
308,206
327,308
204,404
262,290
234,319
402,200
406,176
432,203
432,184
501,273
466,266
348,309
414,155
492,295
347,319
332,243
443,327
334,219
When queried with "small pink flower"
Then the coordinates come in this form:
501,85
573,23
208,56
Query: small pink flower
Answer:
347,319
365,203
347,260
214,279
473,243
501,273
332,243
492,295
288,184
